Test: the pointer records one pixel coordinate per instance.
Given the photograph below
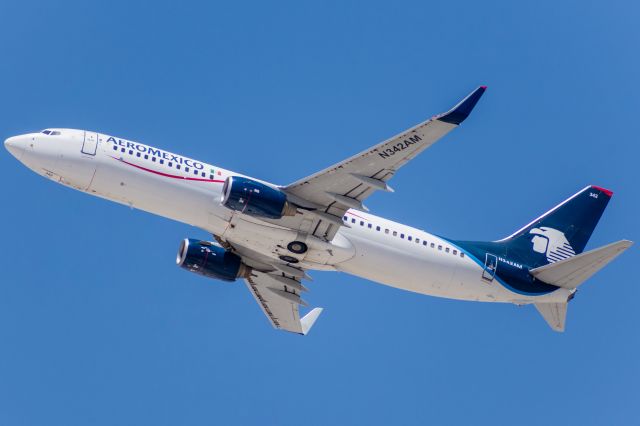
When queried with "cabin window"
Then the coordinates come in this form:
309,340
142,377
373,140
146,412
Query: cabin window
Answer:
402,236
369,226
377,228
211,178
55,133
186,170
121,149
343,217
446,250
395,233
203,174
130,152
146,157
461,254
115,148
424,243
409,238
433,245
170,164
353,220
455,252
178,166
418,240
439,247
153,159
386,231
161,161
195,172
361,223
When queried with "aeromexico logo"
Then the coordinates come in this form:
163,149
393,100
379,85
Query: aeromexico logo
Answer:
552,243
156,153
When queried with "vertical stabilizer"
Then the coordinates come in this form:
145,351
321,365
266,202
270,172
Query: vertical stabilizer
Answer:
563,231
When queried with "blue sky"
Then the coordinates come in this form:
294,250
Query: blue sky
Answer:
99,327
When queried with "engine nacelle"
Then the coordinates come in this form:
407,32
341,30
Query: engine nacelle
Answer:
255,199
209,259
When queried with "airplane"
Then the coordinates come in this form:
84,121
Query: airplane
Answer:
271,235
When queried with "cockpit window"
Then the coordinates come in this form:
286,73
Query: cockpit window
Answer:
51,132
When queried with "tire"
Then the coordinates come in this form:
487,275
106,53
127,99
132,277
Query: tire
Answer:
297,247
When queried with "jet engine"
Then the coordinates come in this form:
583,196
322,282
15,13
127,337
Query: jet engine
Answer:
255,199
210,260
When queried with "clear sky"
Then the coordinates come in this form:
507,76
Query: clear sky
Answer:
99,327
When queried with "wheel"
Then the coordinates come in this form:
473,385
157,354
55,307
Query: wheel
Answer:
289,259
297,247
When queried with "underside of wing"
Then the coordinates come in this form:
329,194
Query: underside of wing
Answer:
278,295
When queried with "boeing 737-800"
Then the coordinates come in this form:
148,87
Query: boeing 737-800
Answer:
271,235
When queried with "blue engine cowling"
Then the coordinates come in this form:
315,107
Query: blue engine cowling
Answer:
255,199
209,259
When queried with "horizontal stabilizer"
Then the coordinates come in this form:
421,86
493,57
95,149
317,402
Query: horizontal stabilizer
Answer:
573,271
554,314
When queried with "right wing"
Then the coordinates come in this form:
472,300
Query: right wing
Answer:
279,298
277,288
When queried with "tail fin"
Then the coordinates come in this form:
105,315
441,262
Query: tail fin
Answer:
563,231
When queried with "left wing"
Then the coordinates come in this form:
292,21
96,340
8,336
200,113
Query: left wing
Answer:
278,295
329,193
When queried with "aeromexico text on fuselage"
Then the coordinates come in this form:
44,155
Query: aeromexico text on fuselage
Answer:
144,149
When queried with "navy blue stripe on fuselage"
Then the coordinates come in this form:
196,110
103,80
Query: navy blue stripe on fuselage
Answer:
546,289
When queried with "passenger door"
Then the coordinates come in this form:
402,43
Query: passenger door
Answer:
90,144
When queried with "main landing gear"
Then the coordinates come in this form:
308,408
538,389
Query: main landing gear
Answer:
297,247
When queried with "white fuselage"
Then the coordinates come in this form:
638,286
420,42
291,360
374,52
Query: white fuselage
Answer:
189,191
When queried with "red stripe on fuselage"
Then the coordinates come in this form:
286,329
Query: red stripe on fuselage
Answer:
166,174
353,214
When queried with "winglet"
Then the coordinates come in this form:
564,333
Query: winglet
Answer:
308,320
460,112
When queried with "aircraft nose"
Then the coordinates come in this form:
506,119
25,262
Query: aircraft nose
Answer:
15,145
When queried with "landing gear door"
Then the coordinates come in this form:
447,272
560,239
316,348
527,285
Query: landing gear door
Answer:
90,144
490,266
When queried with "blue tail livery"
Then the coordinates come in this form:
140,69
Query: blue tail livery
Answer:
562,232
558,234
